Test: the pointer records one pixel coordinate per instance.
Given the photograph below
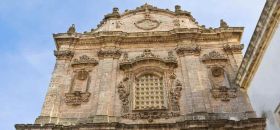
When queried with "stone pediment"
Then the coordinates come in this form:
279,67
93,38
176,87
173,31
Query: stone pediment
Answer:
146,18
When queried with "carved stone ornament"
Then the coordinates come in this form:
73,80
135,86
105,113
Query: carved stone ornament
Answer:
76,97
147,55
109,53
123,94
84,60
71,29
147,23
233,48
217,71
175,95
82,75
192,49
64,54
151,115
223,24
224,93
213,57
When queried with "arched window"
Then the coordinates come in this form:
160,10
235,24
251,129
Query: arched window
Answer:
149,93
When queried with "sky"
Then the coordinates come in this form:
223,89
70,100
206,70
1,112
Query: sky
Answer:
26,44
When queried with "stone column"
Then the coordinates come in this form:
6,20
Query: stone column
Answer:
107,86
51,105
190,69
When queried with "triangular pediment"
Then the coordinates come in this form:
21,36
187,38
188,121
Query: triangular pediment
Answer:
147,18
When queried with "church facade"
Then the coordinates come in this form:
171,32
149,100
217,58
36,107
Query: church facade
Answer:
147,68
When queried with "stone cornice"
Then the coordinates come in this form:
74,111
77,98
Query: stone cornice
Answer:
178,34
250,123
264,31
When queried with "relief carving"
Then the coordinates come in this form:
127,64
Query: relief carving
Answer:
150,115
78,90
84,60
192,49
220,86
214,57
175,95
64,55
123,94
147,55
233,48
109,53
76,98
147,23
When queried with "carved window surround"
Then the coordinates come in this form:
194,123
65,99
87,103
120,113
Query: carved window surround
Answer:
149,80
78,91
233,48
64,55
109,53
221,87
183,50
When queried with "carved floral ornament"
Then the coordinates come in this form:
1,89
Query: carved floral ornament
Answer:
84,60
192,49
76,98
109,53
147,55
214,57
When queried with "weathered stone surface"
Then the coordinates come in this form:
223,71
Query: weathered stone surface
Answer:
142,70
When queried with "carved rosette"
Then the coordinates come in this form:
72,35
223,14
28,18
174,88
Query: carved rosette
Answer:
151,115
233,48
214,57
183,50
224,93
76,97
64,55
84,60
147,55
109,53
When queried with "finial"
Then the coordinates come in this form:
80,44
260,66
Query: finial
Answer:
71,29
177,8
147,12
223,24
115,10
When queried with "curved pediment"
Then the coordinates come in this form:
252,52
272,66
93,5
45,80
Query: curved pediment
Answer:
146,18
146,58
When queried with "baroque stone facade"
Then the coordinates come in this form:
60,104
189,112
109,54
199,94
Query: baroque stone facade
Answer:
147,68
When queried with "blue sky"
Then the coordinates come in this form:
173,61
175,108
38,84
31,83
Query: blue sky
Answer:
26,44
